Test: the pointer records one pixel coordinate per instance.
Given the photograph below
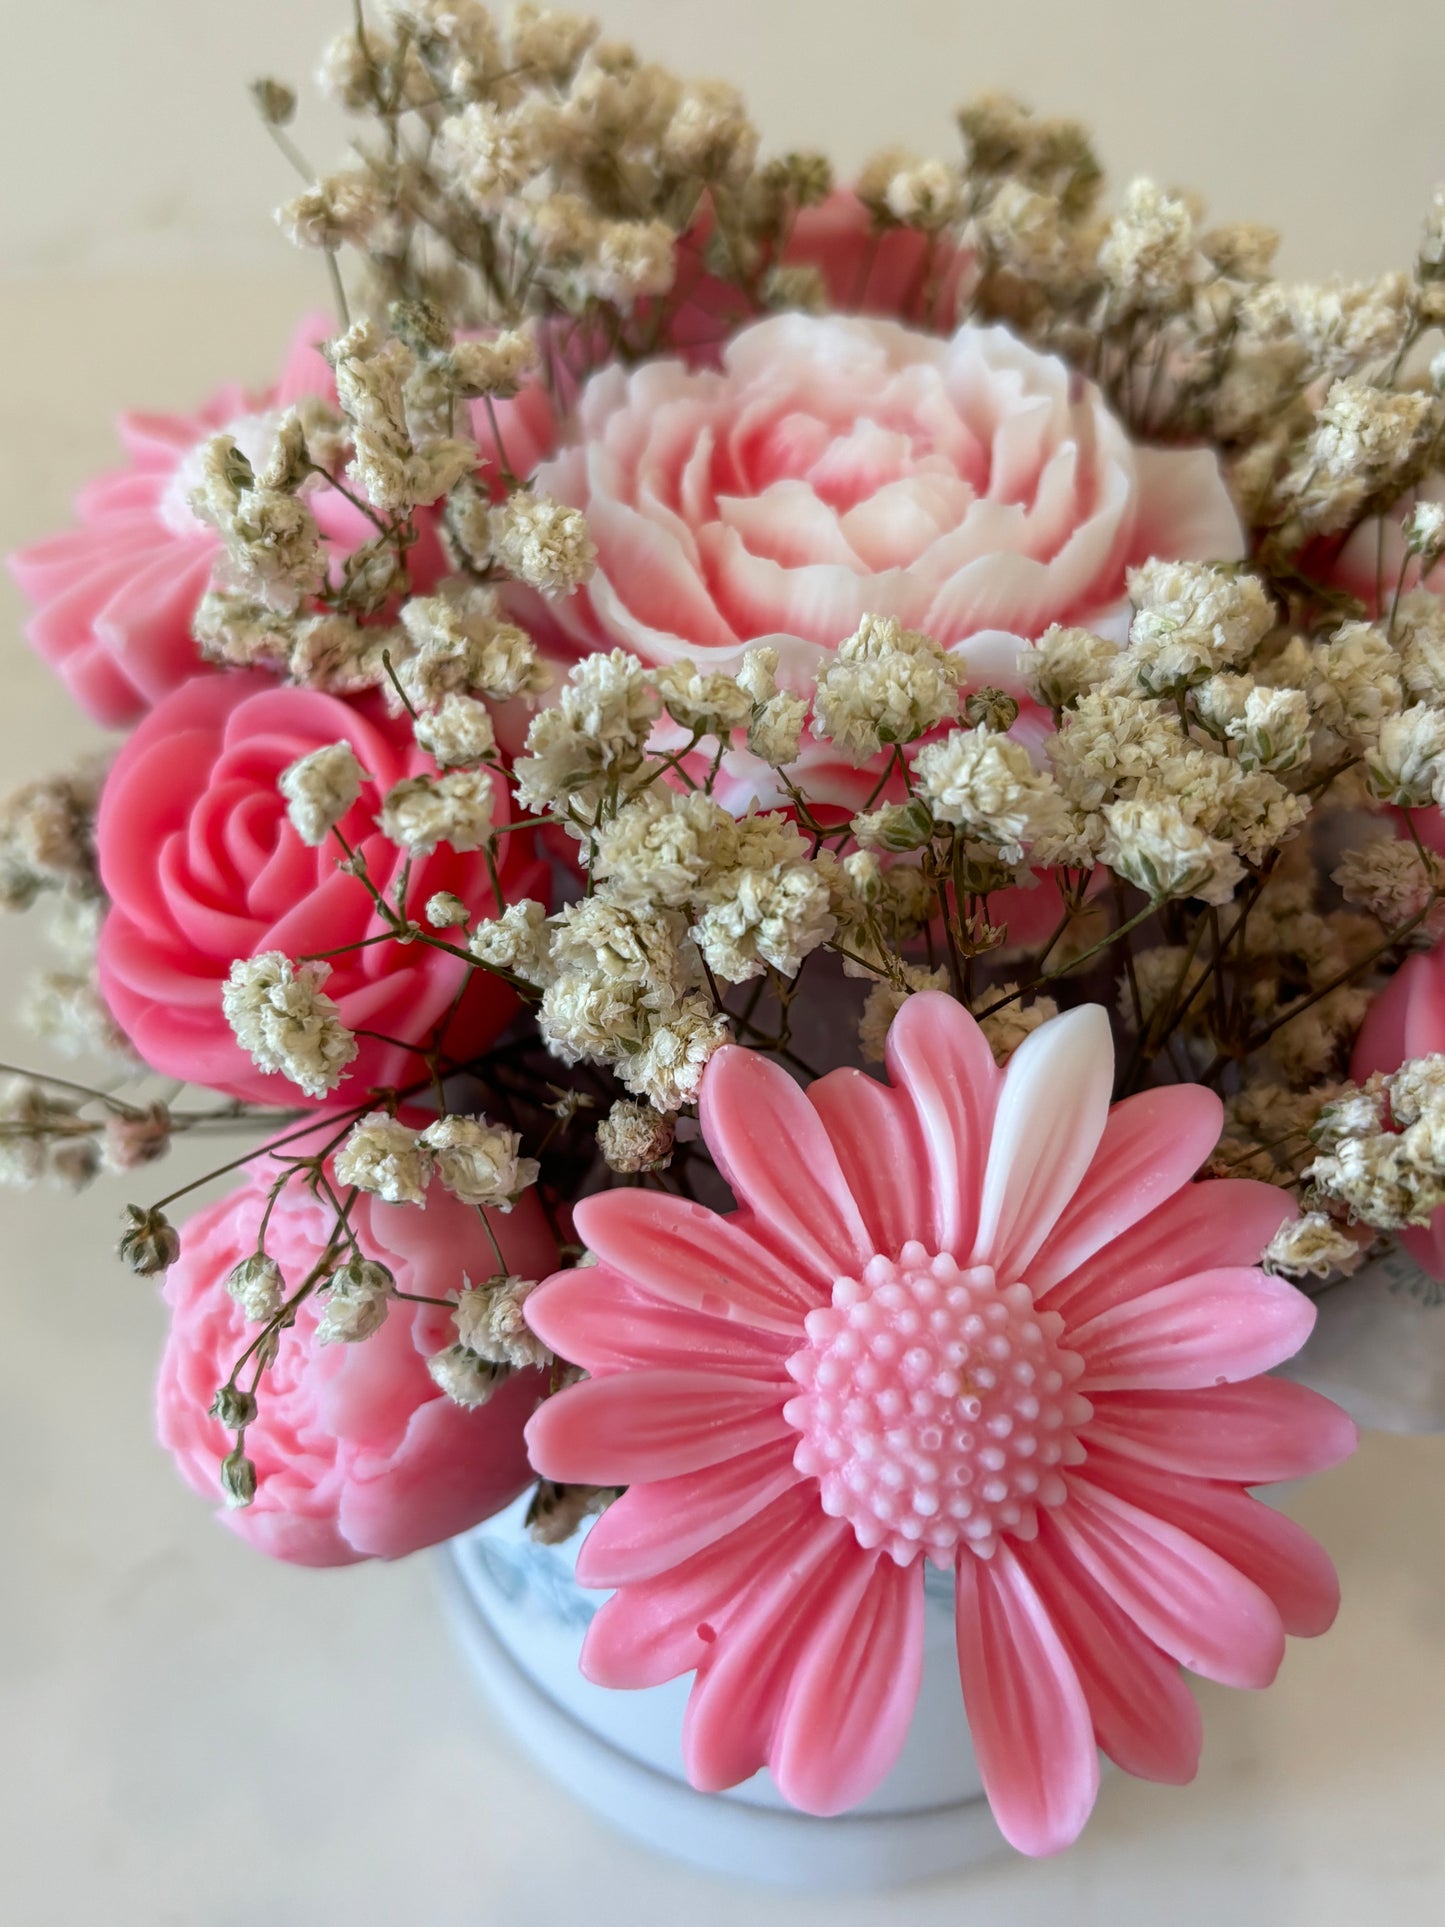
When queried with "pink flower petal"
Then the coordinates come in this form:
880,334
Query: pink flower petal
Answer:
654,1527
1255,1433
874,1132
1290,1568
1026,1708
1186,1599
1223,1221
1051,1116
1145,1717
835,1746
771,1147
652,1425
655,1629
1152,1145
743,1685
595,1318
940,1059
695,1257
1211,1329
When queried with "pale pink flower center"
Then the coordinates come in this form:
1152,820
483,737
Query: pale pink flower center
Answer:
935,1411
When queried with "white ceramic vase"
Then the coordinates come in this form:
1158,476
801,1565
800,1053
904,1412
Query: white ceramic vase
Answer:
520,1615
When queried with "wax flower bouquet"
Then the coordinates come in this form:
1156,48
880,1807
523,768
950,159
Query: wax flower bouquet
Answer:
679,635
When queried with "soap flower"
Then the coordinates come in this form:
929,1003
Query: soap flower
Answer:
980,1318
358,1453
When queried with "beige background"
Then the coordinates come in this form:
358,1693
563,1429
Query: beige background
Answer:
189,1734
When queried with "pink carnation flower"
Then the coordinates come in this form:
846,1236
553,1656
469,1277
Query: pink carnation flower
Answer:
358,1454
202,865
114,598
836,467
980,1318
1407,1019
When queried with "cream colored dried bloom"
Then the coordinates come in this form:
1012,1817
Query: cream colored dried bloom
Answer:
285,1022
1156,848
1347,326
1419,635
386,1158
519,941
548,43
1063,664
1387,877
775,733
467,1380
1007,1028
31,1122
1108,743
708,703
273,546
659,848
337,654
1374,1179
1407,763
885,1000
489,153
1027,230
542,543
1356,683
629,261
340,210
1270,727
1190,619
478,1162
897,186
460,645
986,785
668,1069
422,811
258,1288
709,136
394,474
611,699
634,1138
134,1138
586,749
458,731
358,1298
758,674
491,1325
1312,1246
1364,441
884,685
760,917
495,366
1148,255
445,912
320,789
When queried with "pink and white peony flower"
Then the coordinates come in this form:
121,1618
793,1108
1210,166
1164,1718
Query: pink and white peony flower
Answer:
838,467
981,1318
358,1454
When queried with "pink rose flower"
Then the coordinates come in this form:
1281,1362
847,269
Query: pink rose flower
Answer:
837,467
358,1454
202,866
979,1318
1407,1019
114,598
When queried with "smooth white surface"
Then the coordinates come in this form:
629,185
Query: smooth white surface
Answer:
189,1735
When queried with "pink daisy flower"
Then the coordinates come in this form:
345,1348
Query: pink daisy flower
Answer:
980,1318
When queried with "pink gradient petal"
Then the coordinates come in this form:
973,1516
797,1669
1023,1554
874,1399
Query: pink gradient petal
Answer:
1222,1221
655,1526
1151,1146
874,1133
940,1059
771,1147
1051,1116
851,1698
1191,1603
652,1425
1290,1568
1210,1329
1026,1709
1257,1432
607,1324
694,1257
1145,1717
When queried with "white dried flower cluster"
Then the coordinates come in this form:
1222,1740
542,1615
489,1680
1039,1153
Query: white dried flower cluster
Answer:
542,543
387,1158
358,1298
1148,255
634,1138
1189,621
258,1287
1155,847
884,685
285,1022
1386,1177
518,941
589,744
1064,664
394,472
457,732
490,1323
458,643
42,1135
985,784
320,789
457,808
479,1162
273,546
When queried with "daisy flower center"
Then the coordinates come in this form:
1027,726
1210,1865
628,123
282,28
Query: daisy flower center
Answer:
935,1409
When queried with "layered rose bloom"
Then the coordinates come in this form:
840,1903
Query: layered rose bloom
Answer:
115,596
358,1455
202,865
977,1318
839,467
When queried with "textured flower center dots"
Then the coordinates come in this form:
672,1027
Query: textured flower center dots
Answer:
935,1409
